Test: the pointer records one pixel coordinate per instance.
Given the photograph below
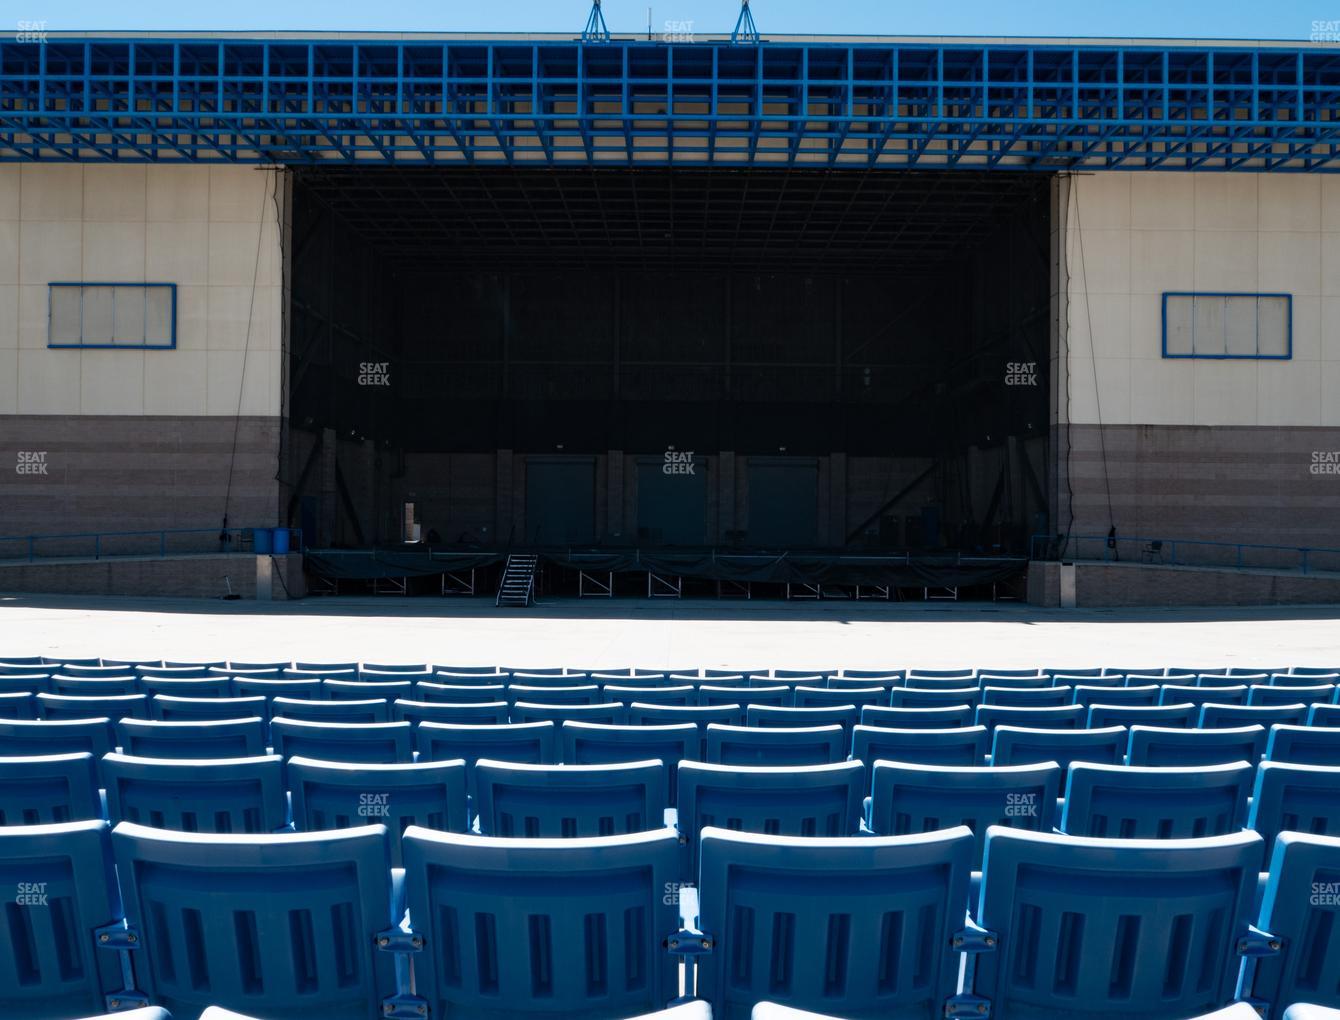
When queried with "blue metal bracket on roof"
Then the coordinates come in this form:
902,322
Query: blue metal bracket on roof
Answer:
869,104
745,29
596,29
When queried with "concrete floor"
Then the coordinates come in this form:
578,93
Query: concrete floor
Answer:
667,634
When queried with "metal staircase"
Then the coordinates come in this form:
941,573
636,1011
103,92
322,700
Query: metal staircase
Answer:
517,587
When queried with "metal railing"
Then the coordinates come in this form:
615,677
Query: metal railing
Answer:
162,543
1184,552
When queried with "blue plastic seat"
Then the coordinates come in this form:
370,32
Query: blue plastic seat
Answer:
255,668
362,690
1296,798
158,1013
370,710
333,674
810,800
197,794
426,690
285,925
17,705
1060,717
718,678
682,695
906,798
179,671
768,716
1213,717
25,683
59,661
1133,802
535,927
1303,679
1080,674
640,714
1146,694
1320,694
1307,1011
1021,745
1101,715
1025,673
948,717
1026,697
195,738
612,713
907,697
1175,694
56,736
1195,671
847,683
755,745
1173,746
170,707
202,687
779,695
1298,909
602,744
874,674
1229,679
962,745
803,675
307,690
21,660
869,923
1093,929
113,706
483,713
1014,681
818,697
534,670
587,694
384,742
93,688
569,801
48,789
468,678
526,679
340,795
961,673
648,681
1304,745
325,668
1323,715
529,743
1314,671
59,889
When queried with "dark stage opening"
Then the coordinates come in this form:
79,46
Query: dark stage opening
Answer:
670,358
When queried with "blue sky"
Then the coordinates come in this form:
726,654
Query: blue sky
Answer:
1234,19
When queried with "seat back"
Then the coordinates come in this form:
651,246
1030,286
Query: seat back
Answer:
754,745
56,736
1319,694
385,742
25,683
1026,696
961,745
908,697
1304,745
809,800
528,743
844,715
48,789
340,795
1171,746
685,694
710,694
1214,717
195,738
59,887
371,710
576,924
907,798
586,694
481,713
289,920
602,744
1134,802
864,922
611,713
16,705
362,690
197,795
1298,908
199,687
1295,798
1087,694
944,718
112,706
1022,745
171,708
1062,717
1302,677
303,690
90,687
567,801
426,690
1102,714
1176,694
1099,928
1323,715
815,697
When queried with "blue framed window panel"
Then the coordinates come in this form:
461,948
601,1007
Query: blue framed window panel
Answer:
1226,326
130,316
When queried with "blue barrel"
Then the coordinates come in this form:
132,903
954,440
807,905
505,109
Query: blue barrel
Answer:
281,541
261,541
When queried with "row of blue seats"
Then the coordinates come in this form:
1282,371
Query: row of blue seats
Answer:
247,794
727,706
493,928
741,690
576,742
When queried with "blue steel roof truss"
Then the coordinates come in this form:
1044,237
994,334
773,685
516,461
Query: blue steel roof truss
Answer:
780,103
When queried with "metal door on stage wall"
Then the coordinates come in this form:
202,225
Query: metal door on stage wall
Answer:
672,500
783,503
560,501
